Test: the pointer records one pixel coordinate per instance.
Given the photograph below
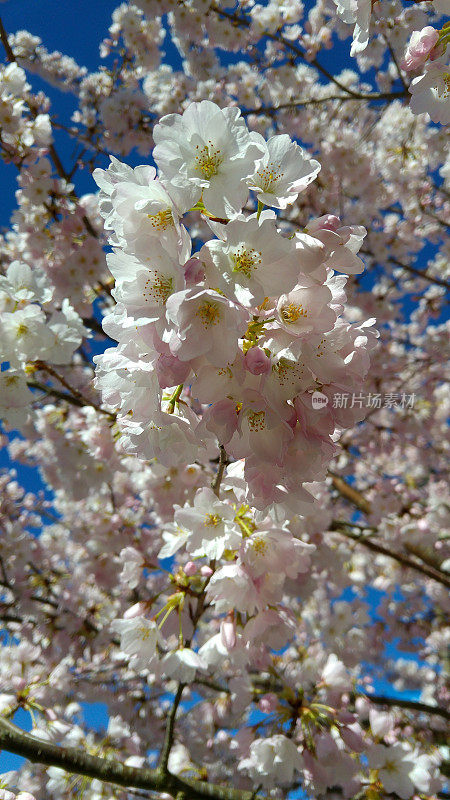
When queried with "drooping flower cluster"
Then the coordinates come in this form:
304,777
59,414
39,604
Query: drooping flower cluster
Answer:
227,345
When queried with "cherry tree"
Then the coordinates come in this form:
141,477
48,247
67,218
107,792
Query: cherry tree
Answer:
227,362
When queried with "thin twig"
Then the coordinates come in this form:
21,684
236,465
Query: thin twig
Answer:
223,461
377,547
170,727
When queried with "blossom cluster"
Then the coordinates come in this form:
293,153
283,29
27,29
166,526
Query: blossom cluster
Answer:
426,48
32,330
20,130
225,346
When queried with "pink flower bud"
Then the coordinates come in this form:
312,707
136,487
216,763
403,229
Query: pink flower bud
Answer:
221,419
190,568
134,611
193,272
170,371
268,703
328,222
206,571
419,48
256,361
228,632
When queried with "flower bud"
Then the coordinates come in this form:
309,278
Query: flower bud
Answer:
328,222
206,571
256,361
268,703
228,632
420,46
170,371
193,272
190,568
134,611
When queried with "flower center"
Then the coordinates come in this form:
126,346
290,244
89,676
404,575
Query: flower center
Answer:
161,220
246,260
291,313
259,545
256,421
208,160
209,313
444,91
270,175
158,288
212,520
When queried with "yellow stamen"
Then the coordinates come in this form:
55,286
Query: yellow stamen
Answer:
246,261
212,520
161,220
291,313
209,313
256,420
209,159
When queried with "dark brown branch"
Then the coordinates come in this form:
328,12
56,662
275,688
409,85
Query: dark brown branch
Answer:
49,390
420,274
299,53
223,461
3,36
77,395
377,547
170,727
78,762
270,110
413,705
349,493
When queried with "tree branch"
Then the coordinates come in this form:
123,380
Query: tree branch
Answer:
223,461
52,150
377,547
76,761
293,48
413,705
349,493
170,727
270,110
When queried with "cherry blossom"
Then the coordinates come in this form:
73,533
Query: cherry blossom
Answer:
224,405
